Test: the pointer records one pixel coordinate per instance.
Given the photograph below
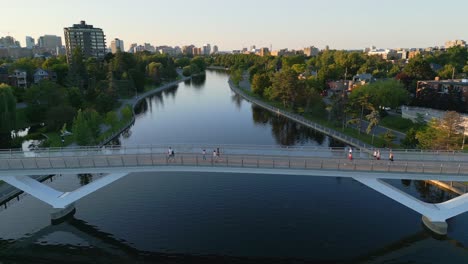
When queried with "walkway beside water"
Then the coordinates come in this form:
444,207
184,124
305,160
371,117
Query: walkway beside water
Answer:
303,121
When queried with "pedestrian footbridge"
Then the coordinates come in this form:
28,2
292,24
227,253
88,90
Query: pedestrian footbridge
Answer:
16,166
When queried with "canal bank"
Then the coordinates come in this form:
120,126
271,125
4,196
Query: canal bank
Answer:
303,121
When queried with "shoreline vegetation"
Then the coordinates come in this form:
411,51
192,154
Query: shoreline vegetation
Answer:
90,101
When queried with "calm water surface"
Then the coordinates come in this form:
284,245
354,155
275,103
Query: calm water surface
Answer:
224,218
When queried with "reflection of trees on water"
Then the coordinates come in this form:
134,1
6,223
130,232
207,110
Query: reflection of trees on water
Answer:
237,100
432,194
116,141
85,178
198,81
285,131
127,132
334,143
141,107
172,91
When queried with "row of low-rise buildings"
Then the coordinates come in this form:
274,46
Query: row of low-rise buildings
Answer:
19,78
307,51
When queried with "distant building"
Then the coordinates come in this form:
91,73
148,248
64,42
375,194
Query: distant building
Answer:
444,87
41,74
363,78
4,74
18,79
9,42
166,50
207,49
264,52
215,50
311,51
455,43
117,44
386,54
30,42
149,47
280,52
50,43
91,40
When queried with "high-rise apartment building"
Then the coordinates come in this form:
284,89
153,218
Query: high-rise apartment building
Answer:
117,44
30,42
91,40
215,49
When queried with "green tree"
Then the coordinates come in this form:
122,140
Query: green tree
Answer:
299,68
7,112
111,119
59,115
182,62
81,131
154,71
286,87
419,69
260,82
200,62
388,138
75,97
187,71
86,127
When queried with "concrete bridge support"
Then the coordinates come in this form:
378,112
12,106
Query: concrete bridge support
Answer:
434,216
61,202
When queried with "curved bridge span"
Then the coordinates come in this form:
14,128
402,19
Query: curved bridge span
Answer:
118,162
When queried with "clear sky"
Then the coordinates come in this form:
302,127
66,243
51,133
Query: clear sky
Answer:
341,24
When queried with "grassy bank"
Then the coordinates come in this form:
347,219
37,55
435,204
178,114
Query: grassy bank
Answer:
323,120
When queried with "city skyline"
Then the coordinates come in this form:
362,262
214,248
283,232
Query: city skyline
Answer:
295,25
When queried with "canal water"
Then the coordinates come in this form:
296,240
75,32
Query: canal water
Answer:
225,218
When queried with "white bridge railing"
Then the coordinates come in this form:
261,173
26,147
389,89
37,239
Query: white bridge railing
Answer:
101,159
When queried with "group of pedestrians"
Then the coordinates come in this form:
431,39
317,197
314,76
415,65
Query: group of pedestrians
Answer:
216,154
376,154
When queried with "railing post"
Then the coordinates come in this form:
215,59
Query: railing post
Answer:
196,158
423,168
406,168
242,162
321,164
258,162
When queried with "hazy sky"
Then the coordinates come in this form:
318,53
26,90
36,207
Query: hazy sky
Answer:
341,24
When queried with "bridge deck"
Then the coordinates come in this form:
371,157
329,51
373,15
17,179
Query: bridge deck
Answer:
111,160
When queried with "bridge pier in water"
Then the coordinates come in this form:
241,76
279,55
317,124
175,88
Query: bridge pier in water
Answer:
440,228
58,215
